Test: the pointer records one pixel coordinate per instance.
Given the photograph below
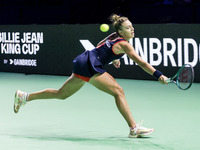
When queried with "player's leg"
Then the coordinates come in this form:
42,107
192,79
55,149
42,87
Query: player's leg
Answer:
72,85
105,82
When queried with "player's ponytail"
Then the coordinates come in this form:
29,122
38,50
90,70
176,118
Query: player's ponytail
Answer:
114,17
117,21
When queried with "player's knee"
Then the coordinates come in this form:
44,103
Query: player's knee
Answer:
61,95
119,91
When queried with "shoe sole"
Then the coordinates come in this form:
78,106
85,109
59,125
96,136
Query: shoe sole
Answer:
140,135
16,109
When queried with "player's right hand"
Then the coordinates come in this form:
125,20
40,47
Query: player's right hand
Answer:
163,79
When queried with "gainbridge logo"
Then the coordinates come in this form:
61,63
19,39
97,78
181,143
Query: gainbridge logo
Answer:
165,51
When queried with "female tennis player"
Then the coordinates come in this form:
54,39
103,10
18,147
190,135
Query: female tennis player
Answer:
88,67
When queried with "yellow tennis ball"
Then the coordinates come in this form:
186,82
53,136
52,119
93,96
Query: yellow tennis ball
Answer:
104,27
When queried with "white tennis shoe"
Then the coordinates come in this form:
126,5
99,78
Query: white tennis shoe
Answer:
20,99
138,131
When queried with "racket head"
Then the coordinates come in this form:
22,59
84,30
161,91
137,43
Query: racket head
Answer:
185,77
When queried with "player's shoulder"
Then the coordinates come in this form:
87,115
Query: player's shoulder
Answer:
121,46
123,43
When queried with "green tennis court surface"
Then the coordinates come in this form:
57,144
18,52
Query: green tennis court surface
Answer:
89,120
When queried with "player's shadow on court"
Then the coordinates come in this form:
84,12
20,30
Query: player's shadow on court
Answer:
93,140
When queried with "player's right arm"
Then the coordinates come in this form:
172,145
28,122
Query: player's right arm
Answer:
125,47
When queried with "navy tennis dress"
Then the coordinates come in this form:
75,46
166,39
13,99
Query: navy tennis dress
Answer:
92,62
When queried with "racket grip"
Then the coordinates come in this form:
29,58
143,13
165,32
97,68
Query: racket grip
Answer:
168,80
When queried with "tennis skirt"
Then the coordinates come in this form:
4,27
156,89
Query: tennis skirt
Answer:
87,65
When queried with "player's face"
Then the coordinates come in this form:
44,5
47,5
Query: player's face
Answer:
127,30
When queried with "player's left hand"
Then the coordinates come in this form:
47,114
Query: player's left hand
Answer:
116,63
163,79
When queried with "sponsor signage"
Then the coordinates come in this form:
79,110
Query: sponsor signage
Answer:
24,43
50,49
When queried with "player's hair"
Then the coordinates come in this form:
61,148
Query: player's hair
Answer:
117,21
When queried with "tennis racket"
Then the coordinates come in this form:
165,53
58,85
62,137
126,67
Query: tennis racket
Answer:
183,78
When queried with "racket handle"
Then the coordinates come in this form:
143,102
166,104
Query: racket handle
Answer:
168,80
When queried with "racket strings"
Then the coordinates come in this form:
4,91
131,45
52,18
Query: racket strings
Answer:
185,77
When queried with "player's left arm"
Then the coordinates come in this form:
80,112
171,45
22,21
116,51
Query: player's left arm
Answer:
131,53
116,63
